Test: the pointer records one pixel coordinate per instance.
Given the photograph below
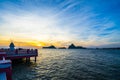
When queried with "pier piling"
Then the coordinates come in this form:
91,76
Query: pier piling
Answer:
35,58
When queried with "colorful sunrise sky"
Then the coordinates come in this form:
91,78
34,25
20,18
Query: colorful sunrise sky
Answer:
37,23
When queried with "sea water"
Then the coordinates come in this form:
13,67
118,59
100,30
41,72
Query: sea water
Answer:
70,64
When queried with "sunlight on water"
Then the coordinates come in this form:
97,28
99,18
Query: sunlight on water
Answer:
56,64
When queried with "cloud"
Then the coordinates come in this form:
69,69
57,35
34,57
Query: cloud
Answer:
60,22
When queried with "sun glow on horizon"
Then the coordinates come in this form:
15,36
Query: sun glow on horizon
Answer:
40,23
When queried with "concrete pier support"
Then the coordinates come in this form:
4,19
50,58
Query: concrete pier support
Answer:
27,59
35,58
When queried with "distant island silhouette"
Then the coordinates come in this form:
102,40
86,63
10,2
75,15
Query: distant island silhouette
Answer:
49,47
72,46
62,48
113,48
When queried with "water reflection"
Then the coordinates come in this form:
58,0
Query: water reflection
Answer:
70,65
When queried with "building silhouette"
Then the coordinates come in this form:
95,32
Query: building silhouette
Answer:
12,46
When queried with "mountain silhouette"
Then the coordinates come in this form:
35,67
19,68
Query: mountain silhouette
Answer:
49,47
72,46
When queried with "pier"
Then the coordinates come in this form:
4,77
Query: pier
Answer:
8,55
18,54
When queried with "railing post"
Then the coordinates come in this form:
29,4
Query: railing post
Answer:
28,51
35,58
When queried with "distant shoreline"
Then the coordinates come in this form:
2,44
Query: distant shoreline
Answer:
72,46
86,49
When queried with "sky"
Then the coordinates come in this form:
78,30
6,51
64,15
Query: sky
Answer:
37,23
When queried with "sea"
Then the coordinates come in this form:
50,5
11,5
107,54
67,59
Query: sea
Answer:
70,64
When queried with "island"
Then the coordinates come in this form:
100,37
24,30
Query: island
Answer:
72,46
62,48
49,47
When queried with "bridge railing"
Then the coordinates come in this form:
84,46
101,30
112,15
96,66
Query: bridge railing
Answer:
27,51
21,51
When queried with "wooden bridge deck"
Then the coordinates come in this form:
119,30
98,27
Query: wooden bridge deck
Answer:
17,56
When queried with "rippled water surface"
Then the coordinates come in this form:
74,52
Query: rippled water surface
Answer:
60,64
